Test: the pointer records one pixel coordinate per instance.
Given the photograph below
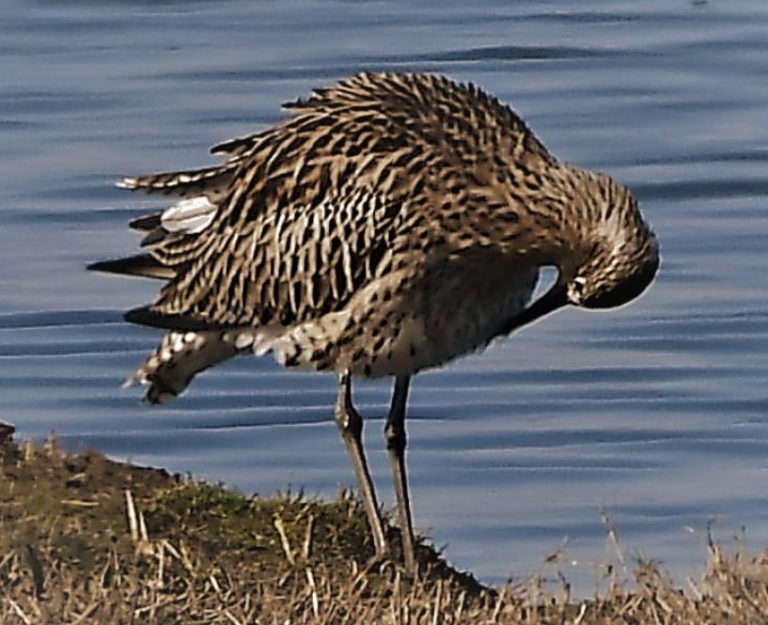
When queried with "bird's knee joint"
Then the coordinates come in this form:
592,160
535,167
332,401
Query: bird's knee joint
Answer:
349,422
395,438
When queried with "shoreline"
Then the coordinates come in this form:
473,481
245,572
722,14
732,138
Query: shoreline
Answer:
90,540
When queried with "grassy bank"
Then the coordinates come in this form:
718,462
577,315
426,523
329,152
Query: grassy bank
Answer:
87,540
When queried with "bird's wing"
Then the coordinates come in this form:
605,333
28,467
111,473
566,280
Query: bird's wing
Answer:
187,183
282,266
375,172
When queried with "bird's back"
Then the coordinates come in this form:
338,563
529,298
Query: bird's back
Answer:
365,178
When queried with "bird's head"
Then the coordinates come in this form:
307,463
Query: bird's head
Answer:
614,277
613,259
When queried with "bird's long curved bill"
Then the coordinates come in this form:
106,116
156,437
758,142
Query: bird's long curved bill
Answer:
555,298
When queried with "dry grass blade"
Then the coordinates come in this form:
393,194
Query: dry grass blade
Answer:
436,612
306,550
313,587
133,523
218,557
19,612
285,544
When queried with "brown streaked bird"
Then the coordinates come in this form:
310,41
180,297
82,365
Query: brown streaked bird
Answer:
391,223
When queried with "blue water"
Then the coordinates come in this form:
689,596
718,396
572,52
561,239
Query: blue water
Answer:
655,413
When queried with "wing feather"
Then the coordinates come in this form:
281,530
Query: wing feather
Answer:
210,181
366,176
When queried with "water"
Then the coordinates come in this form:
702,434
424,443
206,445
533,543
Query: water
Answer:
655,413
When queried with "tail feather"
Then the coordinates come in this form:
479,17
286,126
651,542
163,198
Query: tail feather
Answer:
191,345
153,237
146,223
210,181
152,226
180,356
239,146
147,316
142,265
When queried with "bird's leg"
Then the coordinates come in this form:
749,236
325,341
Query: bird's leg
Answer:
394,433
351,426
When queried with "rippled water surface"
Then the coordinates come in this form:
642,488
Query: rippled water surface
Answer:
655,413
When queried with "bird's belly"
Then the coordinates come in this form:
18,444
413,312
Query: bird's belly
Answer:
460,321
413,330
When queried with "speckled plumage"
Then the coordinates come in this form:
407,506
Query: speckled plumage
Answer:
391,223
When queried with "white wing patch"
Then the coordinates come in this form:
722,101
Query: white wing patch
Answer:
189,216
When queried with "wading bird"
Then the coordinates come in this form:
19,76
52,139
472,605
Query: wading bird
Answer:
391,223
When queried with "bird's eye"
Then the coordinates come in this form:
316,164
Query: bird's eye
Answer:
576,289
